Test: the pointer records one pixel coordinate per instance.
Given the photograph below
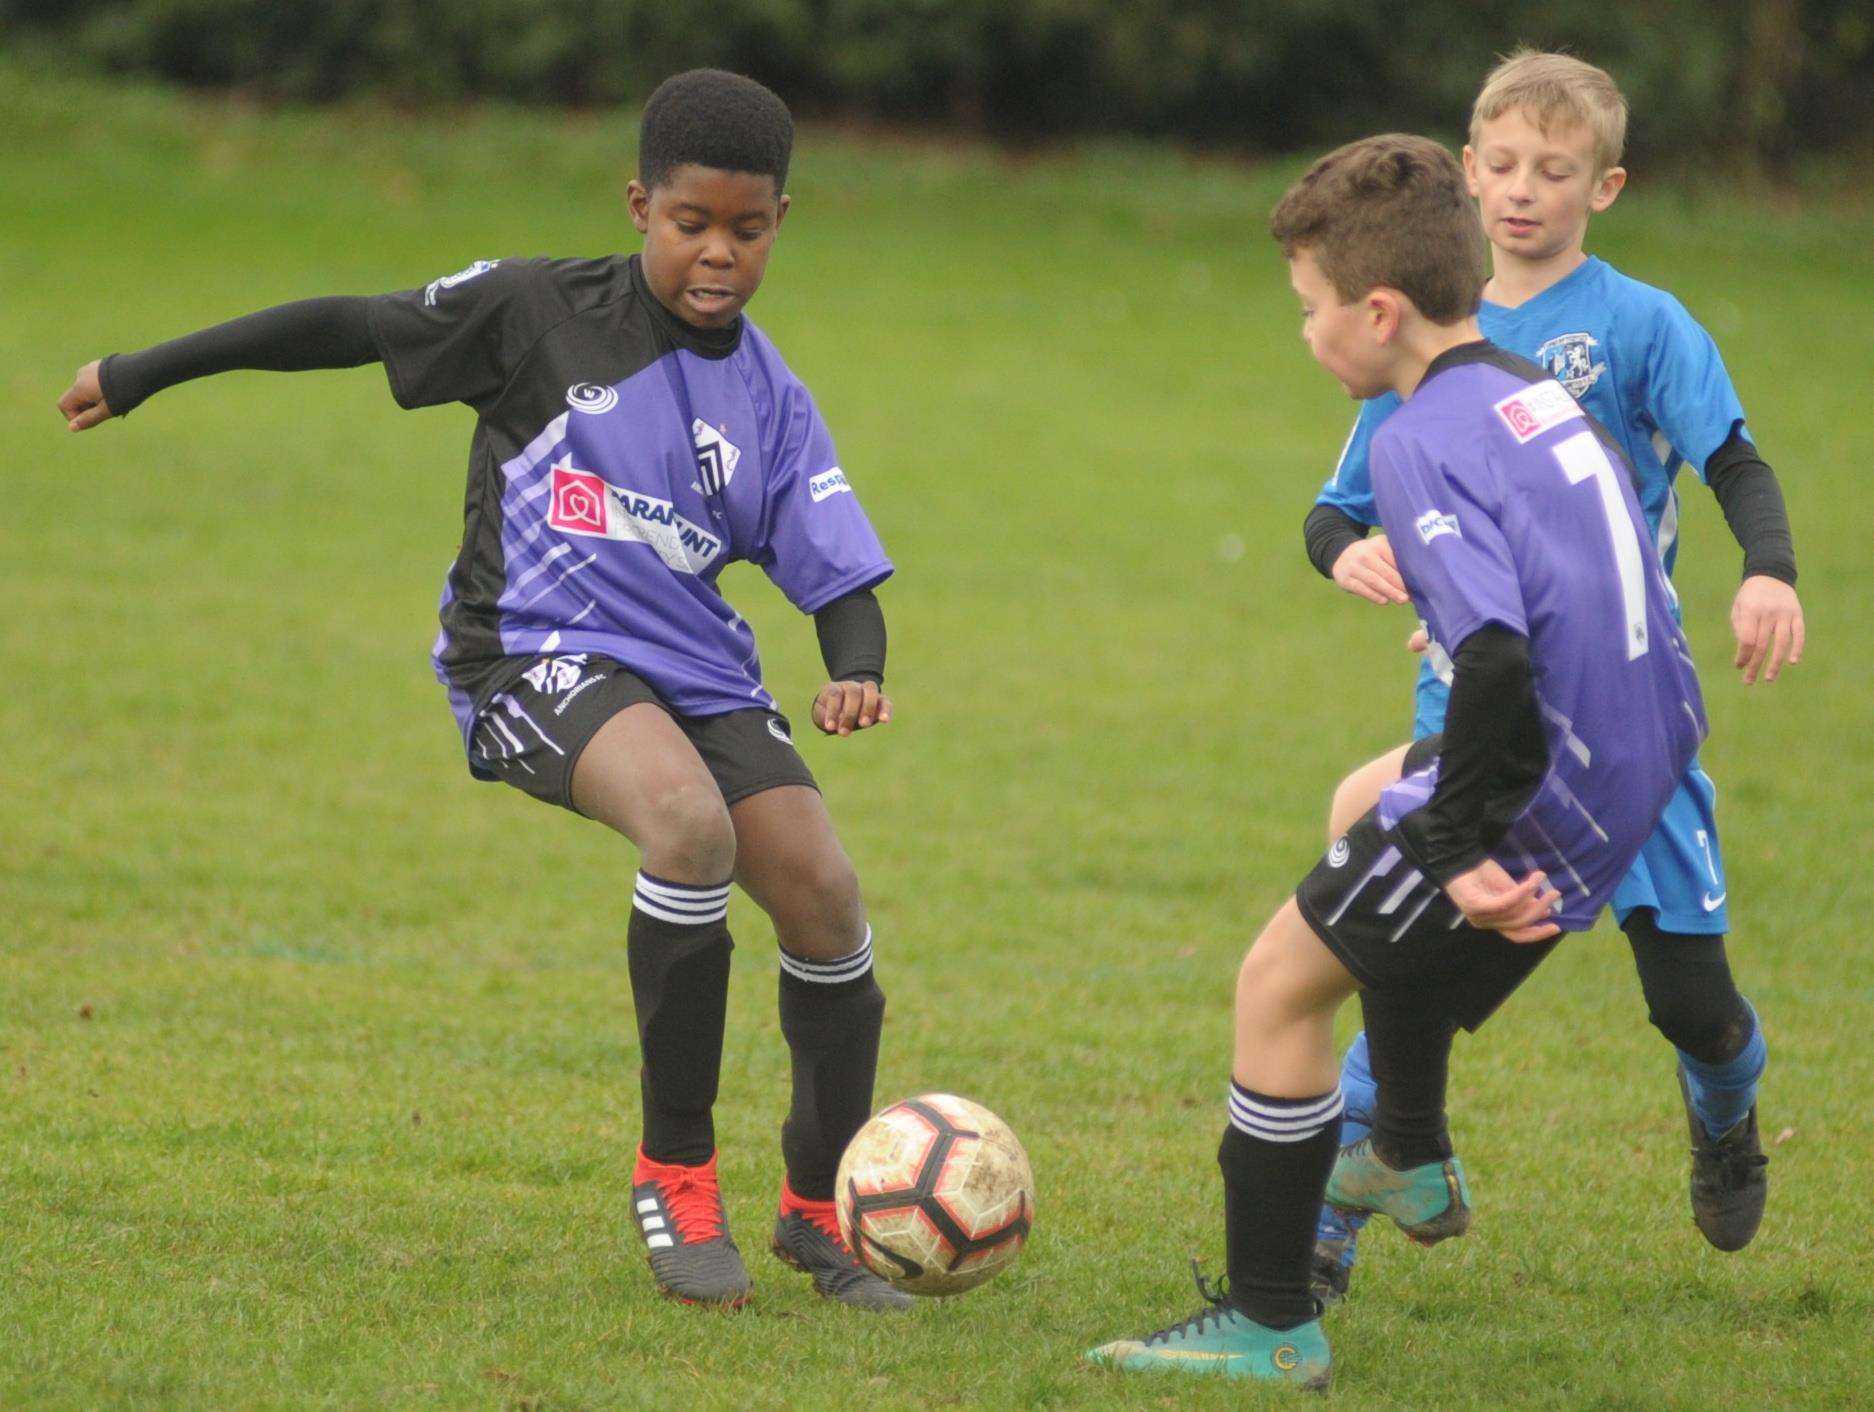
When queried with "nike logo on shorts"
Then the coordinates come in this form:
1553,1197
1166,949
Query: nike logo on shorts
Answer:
1712,904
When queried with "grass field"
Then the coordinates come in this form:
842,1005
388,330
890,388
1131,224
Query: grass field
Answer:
319,1074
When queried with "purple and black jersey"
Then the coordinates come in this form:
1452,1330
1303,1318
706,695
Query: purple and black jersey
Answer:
1506,503
620,459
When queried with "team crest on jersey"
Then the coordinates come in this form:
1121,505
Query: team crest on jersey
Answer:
584,504
436,286
1532,410
716,456
1570,361
593,397
1433,523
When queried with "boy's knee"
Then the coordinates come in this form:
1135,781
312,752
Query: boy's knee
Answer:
687,835
820,913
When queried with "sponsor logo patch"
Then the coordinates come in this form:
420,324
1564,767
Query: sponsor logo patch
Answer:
1337,855
1533,410
778,730
583,504
1433,523
436,286
593,397
828,483
579,502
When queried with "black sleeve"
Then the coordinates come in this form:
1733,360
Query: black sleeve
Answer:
460,338
288,338
1752,502
852,638
1328,532
1494,757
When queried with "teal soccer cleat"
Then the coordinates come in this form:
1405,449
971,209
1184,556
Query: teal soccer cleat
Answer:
1222,1341
1429,1203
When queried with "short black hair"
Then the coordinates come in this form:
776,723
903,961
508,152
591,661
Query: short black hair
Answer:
715,119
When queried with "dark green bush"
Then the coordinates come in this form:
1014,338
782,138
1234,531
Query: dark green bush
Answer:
1762,76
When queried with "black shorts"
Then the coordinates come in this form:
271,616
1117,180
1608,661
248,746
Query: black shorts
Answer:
1398,932
531,733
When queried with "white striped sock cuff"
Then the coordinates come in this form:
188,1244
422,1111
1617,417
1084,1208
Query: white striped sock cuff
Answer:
844,968
680,902
1282,1119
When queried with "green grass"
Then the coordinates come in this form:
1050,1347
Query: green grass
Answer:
317,1075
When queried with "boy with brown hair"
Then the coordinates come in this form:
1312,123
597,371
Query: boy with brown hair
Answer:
1546,136
1574,712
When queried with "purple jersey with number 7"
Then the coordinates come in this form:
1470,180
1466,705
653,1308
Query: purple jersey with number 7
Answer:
1506,503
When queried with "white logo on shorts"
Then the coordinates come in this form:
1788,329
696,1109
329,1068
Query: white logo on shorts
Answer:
1337,855
779,731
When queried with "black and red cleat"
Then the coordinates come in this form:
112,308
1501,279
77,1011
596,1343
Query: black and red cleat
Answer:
686,1233
806,1236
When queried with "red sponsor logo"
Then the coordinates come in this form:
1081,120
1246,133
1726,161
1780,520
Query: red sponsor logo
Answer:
1522,421
578,502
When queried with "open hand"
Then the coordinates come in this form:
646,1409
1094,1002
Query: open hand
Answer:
1366,569
1491,900
1767,618
843,707
83,406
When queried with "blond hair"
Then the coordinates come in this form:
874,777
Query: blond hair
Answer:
1556,89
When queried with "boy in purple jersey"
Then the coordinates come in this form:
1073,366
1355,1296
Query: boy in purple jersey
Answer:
1574,711
634,434
1546,136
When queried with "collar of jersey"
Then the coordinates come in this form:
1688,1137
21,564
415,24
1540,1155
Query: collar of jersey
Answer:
703,342
1555,291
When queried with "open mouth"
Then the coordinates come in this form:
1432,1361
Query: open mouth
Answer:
709,298
1520,225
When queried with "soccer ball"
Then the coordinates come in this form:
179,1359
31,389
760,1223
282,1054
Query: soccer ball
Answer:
935,1194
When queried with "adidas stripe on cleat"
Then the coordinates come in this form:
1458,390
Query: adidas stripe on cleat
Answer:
680,1216
1429,1203
806,1236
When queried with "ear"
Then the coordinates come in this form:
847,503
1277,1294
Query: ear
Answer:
1384,314
638,203
1470,170
780,210
1605,190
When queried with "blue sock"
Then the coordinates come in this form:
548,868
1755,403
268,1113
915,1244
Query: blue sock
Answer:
1721,1093
1361,1093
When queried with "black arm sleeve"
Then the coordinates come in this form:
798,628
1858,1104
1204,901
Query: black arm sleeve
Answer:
1328,532
1752,502
288,338
1493,760
852,638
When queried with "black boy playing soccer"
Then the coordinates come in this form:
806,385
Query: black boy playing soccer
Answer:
634,434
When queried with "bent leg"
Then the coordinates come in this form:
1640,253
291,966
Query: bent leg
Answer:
1284,1117
641,776
832,1011
1360,791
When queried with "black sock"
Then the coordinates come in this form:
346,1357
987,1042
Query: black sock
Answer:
678,949
1409,1051
831,1014
1276,1156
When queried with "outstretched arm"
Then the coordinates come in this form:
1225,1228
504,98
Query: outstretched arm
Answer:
332,332
851,630
1766,615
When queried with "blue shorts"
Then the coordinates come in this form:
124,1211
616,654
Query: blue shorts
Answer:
1680,870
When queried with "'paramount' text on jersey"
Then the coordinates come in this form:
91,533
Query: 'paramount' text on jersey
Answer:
1506,503
620,459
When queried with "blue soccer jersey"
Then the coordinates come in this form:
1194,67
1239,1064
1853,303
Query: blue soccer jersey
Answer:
1506,504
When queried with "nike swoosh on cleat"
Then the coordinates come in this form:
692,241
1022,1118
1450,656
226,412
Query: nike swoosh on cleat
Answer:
1191,1355
1712,904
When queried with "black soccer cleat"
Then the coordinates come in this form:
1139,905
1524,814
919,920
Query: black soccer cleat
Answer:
679,1214
806,1236
1729,1184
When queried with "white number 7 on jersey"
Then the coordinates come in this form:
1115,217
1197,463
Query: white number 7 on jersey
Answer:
1582,458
